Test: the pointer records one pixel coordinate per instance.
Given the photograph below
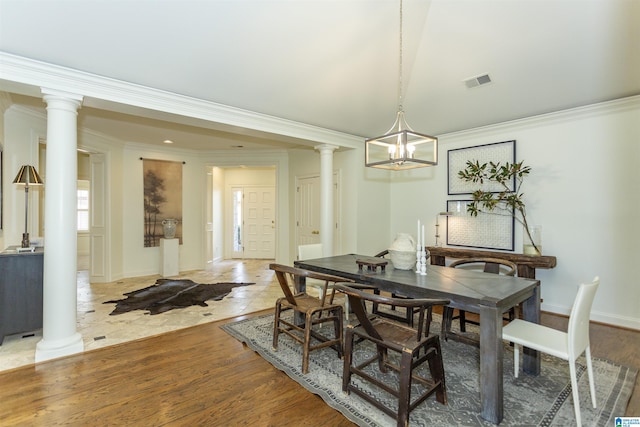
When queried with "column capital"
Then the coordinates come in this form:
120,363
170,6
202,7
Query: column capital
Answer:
54,94
326,148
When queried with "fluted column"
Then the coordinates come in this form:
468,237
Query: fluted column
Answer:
326,197
59,334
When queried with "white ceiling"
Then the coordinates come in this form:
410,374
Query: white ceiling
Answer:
334,63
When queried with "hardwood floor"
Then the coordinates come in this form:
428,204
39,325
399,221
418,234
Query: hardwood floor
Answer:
618,345
194,376
198,376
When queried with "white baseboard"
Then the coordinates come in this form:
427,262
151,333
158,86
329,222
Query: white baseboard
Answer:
607,318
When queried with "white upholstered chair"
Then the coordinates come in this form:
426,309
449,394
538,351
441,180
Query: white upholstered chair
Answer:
312,251
565,345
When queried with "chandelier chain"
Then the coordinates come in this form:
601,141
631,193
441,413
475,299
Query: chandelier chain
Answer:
400,107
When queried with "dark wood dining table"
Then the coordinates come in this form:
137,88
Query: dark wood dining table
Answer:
490,295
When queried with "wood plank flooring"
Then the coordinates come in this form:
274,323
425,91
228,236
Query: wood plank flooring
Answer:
194,376
197,376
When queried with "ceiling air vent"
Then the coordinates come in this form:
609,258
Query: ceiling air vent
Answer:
477,81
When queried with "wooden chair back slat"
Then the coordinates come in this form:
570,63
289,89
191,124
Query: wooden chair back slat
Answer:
491,265
357,299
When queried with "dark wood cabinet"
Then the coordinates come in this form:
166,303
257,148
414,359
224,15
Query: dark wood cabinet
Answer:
20,292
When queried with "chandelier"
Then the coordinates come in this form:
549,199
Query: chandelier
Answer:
401,147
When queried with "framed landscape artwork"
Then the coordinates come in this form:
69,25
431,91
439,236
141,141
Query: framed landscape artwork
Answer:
162,198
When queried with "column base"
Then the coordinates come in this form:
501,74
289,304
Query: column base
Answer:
53,349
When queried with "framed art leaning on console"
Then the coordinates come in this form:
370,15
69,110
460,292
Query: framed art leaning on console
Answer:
487,230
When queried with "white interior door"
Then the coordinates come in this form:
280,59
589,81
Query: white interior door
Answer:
253,224
308,210
99,252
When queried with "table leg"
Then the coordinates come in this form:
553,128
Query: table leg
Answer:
531,313
437,260
491,386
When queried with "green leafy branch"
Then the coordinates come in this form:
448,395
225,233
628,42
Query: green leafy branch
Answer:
508,202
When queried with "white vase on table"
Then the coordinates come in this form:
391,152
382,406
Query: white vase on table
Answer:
402,252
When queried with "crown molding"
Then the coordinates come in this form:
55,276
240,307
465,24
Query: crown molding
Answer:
5,101
43,75
597,109
28,111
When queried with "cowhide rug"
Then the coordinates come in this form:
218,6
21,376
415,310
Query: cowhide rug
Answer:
168,294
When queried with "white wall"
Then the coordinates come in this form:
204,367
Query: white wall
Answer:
582,190
301,163
260,159
364,202
114,204
22,132
127,256
372,205
217,200
141,261
5,103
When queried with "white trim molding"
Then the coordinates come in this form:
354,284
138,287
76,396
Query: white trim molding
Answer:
36,73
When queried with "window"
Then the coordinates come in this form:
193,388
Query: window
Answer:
83,206
237,220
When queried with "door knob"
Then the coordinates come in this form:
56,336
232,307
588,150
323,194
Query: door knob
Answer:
315,232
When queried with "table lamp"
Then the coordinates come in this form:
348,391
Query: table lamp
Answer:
438,226
27,175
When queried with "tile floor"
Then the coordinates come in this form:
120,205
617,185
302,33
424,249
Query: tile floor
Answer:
99,329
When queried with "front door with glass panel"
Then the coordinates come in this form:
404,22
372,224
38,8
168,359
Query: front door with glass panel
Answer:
253,222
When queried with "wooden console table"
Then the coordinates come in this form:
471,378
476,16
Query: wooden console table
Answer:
527,264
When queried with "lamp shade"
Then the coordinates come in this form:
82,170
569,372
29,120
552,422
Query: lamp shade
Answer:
28,175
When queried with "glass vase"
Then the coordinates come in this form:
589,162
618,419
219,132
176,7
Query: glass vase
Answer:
532,241
169,228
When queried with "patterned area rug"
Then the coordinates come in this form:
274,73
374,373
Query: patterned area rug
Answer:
544,400
168,294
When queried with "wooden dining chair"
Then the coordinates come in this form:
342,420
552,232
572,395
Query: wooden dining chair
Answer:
316,311
314,250
311,251
565,345
404,314
486,265
411,348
